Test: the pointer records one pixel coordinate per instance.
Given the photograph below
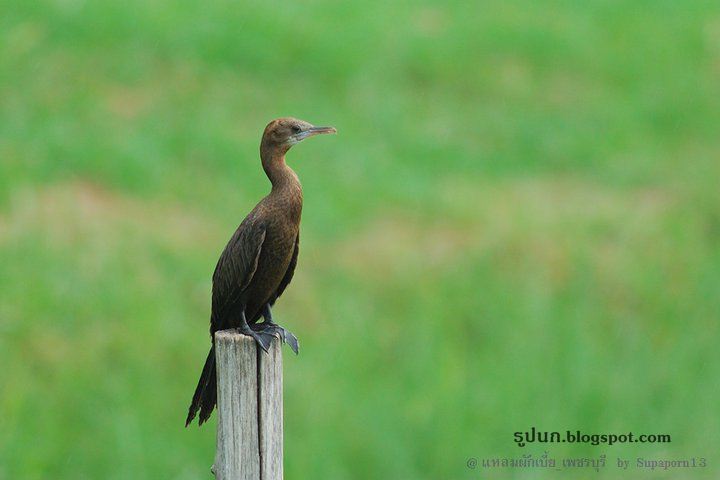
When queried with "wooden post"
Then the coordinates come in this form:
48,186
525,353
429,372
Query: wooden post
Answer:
250,409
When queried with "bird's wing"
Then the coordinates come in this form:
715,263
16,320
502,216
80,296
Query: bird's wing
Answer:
289,273
235,269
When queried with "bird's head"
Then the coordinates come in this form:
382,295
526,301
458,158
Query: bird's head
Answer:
283,133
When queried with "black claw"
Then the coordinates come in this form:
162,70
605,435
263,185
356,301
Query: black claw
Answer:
265,341
292,340
287,337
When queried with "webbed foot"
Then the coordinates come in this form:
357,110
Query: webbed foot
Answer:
262,338
273,329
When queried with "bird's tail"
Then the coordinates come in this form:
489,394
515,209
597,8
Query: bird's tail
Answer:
205,393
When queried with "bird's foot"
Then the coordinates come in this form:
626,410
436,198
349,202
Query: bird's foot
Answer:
273,329
262,338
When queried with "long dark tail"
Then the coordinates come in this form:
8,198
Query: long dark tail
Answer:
205,393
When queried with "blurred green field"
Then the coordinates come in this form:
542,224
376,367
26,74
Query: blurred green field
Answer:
517,225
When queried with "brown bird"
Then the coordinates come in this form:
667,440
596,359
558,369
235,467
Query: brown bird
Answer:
259,260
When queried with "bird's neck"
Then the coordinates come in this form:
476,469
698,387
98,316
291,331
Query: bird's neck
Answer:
283,178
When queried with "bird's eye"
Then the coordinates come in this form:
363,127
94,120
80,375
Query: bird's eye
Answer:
295,129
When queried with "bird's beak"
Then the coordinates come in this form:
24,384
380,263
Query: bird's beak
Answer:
312,131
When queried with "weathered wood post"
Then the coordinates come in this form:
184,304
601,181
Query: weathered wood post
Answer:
250,409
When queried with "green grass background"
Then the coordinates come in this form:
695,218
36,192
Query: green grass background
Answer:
517,225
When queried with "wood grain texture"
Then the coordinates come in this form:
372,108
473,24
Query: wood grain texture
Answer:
250,417
270,382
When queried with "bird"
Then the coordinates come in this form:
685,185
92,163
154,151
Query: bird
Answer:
259,260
